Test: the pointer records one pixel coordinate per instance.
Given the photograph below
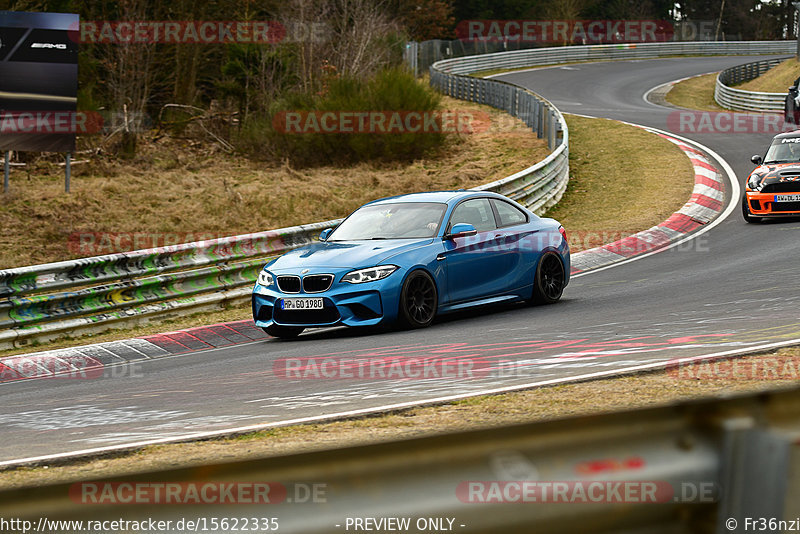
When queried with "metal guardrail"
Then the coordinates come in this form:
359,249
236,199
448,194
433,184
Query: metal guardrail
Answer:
542,185
739,100
569,54
93,294
45,301
709,462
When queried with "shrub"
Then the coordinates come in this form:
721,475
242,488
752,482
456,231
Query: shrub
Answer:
392,89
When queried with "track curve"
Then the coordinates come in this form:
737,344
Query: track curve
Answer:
730,289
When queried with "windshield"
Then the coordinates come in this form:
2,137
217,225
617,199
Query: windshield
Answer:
402,220
785,150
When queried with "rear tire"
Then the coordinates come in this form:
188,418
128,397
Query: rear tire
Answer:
418,300
548,285
746,212
284,332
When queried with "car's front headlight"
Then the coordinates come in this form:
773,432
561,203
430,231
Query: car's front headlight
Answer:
265,278
369,275
754,182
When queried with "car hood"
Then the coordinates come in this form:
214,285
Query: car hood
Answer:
345,254
785,172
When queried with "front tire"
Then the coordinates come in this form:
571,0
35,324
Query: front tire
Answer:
550,279
746,212
284,332
418,300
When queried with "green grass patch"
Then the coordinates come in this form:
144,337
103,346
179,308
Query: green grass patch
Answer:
695,93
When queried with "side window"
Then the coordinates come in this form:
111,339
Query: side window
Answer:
509,215
477,212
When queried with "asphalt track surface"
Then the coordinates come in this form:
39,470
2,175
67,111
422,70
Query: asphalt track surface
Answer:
734,287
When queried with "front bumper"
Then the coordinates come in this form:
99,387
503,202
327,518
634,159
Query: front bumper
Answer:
346,304
764,205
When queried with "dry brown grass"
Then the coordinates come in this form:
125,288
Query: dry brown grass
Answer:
622,187
695,93
179,187
775,80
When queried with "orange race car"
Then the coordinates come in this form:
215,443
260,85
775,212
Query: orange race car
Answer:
773,188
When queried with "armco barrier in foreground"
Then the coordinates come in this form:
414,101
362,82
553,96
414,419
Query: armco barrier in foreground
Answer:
702,466
739,100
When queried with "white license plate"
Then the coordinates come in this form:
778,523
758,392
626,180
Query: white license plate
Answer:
787,198
302,304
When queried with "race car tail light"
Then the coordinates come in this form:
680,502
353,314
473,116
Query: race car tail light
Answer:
563,233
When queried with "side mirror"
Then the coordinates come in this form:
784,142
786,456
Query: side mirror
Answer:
461,230
756,159
325,233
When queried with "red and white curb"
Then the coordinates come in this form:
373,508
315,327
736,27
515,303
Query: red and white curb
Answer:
705,204
89,361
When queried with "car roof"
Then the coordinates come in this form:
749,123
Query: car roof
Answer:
434,196
785,135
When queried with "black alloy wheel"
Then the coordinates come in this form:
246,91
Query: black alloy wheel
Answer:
418,300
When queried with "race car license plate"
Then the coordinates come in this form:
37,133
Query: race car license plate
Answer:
302,304
787,198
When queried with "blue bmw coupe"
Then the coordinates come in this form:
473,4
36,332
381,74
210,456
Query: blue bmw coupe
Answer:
408,258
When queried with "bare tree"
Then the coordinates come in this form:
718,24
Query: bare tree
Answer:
359,29
349,35
129,74
302,20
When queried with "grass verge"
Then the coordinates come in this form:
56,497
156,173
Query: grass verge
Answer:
695,93
621,187
585,398
775,80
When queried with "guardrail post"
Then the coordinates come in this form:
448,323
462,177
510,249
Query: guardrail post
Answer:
514,95
539,120
6,166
